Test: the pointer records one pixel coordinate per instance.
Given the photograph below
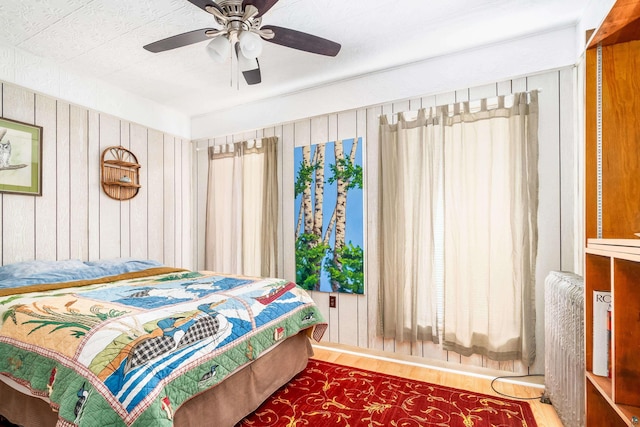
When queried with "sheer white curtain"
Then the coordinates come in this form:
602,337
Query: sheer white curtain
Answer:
409,184
242,208
490,223
458,196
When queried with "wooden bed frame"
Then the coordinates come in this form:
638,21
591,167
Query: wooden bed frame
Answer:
224,405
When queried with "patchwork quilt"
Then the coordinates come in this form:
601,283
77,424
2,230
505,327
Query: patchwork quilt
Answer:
131,350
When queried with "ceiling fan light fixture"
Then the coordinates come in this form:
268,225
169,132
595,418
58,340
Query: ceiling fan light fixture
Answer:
250,44
218,49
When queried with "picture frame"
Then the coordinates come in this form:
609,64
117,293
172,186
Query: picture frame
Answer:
329,231
20,158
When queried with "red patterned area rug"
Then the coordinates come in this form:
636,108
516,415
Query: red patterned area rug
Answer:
326,394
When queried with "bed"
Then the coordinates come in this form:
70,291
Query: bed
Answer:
133,343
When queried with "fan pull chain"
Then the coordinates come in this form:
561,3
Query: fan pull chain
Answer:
230,68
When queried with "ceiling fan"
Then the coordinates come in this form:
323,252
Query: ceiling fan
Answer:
241,27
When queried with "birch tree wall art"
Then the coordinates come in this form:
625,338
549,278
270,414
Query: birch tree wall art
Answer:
329,217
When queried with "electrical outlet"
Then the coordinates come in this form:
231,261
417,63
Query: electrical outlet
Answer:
332,301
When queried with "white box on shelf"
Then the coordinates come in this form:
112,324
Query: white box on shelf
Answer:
601,303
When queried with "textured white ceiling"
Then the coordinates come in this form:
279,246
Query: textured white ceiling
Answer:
103,39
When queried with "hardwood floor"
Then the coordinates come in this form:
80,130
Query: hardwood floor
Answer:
545,414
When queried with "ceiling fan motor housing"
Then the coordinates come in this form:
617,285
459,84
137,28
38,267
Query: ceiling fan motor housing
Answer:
235,17
231,7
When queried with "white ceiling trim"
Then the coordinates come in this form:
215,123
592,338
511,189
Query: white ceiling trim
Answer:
474,67
48,78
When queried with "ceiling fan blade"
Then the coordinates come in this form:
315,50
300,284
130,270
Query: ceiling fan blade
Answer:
262,5
250,67
302,41
202,4
180,40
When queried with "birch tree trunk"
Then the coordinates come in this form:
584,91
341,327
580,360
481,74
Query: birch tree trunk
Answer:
306,194
341,210
299,222
354,149
319,195
318,175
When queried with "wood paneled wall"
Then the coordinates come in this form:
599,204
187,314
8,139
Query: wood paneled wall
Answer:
74,218
353,321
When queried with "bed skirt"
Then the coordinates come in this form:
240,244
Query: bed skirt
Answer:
222,406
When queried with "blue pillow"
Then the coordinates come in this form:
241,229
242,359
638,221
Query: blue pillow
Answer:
36,272
24,269
114,266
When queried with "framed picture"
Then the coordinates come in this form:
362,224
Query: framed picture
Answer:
20,158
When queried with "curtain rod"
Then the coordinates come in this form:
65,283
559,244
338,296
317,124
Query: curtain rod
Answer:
231,143
472,100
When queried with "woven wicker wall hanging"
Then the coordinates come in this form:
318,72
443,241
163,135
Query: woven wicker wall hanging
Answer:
120,173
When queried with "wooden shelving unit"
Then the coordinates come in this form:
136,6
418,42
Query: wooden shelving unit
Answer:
612,211
120,173
615,400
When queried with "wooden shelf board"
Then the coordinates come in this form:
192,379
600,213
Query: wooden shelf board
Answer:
618,252
603,385
633,243
122,184
119,163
